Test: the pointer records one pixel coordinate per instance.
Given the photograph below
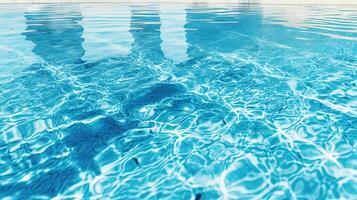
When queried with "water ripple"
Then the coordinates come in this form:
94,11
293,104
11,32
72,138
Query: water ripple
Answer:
186,101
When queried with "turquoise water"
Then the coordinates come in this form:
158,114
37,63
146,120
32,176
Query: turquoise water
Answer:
178,101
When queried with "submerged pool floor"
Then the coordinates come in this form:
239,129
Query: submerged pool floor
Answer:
178,101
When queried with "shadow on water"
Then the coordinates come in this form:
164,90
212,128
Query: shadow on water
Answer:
48,184
89,139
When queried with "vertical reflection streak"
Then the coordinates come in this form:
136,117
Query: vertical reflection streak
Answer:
145,29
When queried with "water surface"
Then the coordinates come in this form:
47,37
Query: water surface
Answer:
178,101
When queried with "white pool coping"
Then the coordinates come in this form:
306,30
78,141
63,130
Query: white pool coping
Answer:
299,2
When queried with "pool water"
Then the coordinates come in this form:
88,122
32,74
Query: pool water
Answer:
178,101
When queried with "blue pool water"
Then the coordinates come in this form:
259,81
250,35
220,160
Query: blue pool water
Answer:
178,101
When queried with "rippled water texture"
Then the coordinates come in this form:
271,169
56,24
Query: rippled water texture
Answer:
178,101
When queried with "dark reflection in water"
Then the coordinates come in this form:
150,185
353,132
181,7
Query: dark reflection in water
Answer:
145,28
56,33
